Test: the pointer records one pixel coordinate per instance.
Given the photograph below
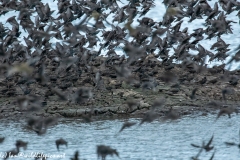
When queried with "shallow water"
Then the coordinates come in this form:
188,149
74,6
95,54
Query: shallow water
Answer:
156,140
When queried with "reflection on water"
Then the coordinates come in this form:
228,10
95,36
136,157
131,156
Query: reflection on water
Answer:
157,140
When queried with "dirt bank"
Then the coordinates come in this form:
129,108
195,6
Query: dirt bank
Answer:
113,95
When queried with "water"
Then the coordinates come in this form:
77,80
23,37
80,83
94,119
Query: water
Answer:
156,140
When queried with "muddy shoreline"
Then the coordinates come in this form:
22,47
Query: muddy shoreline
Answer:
112,98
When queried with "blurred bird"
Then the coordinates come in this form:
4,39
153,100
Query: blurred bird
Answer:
192,96
103,151
233,143
206,147
20,143
60,142
76,156
226,91
23,68
2,139
127,125
227,110
149,117
171,115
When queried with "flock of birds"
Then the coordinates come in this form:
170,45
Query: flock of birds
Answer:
42,63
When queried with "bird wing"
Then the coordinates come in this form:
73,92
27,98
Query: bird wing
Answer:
200,151
239,135
211,158
210,141
230,143
194,145
123,127
127,125
198,154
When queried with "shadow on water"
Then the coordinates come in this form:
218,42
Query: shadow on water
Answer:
157,140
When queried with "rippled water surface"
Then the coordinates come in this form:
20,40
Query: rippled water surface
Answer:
157,140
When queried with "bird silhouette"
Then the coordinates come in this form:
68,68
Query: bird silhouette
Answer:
2,139
76,156
60,142
206,147
127,125
103,151
227,110
233,143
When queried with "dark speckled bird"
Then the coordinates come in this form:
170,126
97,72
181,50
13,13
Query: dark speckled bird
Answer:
103,151
60,142
20,143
